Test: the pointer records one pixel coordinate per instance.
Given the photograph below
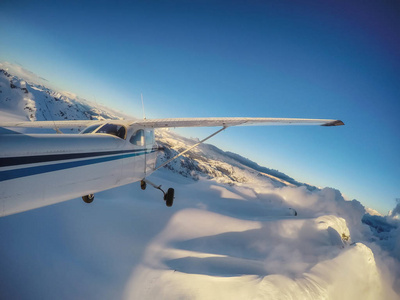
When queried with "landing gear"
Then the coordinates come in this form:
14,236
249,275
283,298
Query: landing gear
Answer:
168,196
88,198
143,185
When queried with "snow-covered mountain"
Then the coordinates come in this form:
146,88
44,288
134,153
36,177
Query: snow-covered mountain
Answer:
212,162
38,103
231,234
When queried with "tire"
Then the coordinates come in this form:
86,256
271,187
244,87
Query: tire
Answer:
88,198
169,197
143,185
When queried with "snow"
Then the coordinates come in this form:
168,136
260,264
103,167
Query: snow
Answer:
372,211
231,234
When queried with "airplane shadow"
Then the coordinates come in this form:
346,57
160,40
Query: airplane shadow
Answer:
263,208
259,252
217,266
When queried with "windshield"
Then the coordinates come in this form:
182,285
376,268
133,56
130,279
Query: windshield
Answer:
113,129
90,129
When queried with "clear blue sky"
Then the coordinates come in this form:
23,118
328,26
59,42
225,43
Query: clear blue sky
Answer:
314,59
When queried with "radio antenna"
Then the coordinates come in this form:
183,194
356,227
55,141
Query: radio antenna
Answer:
144,116
51,117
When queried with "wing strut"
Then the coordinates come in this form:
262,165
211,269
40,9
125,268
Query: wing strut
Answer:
190,148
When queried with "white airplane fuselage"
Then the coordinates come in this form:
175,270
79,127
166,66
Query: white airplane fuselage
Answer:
42,169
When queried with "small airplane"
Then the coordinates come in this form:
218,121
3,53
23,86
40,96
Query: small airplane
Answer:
42,169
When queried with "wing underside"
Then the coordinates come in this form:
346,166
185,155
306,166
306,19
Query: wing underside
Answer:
51,124
227,122
178,122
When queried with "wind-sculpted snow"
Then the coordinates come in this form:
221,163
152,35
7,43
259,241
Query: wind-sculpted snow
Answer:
236,231
254,249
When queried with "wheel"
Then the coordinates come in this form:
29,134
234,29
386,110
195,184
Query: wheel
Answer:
143,185
169,197
88,198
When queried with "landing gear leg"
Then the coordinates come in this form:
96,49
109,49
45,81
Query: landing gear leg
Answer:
168,196
88,198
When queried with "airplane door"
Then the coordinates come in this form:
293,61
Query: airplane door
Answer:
138,140
145,154
143,140
150,156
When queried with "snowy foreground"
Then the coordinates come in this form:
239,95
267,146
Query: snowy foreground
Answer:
216,242
231,234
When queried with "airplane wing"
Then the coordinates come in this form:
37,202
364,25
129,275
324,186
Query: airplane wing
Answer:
178,122
52,124
227,122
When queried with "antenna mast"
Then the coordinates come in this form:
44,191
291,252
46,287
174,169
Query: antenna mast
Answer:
144,116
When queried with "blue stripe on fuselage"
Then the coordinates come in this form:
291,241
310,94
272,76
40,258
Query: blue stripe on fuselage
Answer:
24,160
23,172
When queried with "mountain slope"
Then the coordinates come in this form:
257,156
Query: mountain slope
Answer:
38,103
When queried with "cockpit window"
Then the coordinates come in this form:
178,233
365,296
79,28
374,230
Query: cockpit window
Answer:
90,129
137,138
113,129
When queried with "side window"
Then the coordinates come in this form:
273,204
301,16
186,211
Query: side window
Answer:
137,138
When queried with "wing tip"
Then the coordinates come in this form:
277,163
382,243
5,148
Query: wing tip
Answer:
334,123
